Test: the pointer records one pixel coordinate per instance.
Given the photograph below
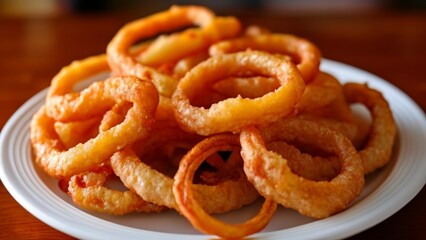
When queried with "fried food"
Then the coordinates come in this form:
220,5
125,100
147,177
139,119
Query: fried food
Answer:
167,49
233,114
202,115
377,151
60,162
189,204
88,191
273,178
156,187
73,133
306,55
71,75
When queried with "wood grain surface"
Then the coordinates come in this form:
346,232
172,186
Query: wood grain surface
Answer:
391,45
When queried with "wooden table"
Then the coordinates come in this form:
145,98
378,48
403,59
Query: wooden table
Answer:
388,44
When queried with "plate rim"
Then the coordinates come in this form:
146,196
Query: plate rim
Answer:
345,230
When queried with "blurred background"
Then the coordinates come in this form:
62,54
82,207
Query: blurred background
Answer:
142,7
39,37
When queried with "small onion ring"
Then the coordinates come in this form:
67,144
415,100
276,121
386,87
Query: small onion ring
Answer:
232,114
273,178
88,192
377,151
303,51
194,212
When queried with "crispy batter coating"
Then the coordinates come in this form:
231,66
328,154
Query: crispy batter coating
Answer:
270,174
233,114
191,206
60,162
306,55
88,191
155,186
377,151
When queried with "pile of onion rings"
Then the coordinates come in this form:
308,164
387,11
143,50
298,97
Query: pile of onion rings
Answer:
202,115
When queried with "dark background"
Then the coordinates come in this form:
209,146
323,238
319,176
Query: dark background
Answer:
142,7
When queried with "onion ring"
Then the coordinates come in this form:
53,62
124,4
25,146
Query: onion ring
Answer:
176,46
70,75
320,92
273,178
156,187
102,96
378,149
232,114
324,101
52,156
173,19
190,207
88,192
176,17
306,54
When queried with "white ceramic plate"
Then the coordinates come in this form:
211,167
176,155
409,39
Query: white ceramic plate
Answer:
386,191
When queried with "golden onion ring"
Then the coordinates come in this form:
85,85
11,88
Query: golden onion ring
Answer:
232,114
188,204
273,178
58,161
88,191
377,151
306,55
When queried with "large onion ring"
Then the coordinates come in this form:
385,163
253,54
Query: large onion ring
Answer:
306,54
173,19
190,207
273,178
52,156
102,96
232,114
122,62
